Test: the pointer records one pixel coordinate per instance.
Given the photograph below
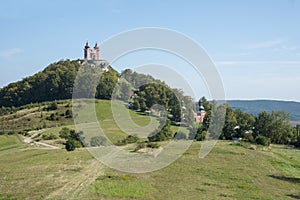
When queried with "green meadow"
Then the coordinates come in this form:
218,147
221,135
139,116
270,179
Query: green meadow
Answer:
230,171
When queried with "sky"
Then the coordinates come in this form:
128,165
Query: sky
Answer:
255,45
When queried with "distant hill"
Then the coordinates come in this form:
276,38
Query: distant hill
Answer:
256,106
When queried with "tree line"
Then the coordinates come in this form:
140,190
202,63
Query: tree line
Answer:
57,80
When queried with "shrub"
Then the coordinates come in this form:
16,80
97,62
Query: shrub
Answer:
70,145
140,146
152,145
200,136
262,140
98,141
65,133
52,106
12,132
68,113
128,140
297,142
50,136
143,145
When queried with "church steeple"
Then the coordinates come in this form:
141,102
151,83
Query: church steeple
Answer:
91,54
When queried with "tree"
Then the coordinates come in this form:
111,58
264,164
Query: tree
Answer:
161,135
136,104
262,140
217,120
275,126
65,133
70,145
207,119
106,85
176,112
229,130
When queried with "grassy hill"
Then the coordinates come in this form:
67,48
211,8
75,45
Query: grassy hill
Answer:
230,171
257,106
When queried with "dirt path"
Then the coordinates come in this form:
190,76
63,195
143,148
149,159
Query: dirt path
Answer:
29,140
77,186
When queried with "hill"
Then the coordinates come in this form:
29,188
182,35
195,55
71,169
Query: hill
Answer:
256,106
55,82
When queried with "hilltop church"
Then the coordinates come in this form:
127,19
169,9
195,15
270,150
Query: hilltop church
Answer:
91,54
92,57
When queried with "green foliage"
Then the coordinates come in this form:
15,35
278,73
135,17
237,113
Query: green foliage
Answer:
65,133
11,132
49,136
165,133
70,145
229,130
98,141
135,79
136,104
52,106
72,137
107,83
53,117
123,90
69,113
55,82
128,140
158,93
143,145
200,135
275,126
262,140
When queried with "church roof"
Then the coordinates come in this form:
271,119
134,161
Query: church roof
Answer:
87,45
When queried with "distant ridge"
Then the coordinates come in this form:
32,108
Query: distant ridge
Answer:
256,106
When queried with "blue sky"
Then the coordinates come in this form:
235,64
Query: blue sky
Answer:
254,44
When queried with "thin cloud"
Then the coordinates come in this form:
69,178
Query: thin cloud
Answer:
257,62
10,53
265,44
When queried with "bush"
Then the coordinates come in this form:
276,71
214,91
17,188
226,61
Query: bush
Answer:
12,132
50,136
128,140
161,135
53,117
98,141
200,136
262,140
143,145
52,106
65,133
68,113
140,146
70,145
152,145
297,142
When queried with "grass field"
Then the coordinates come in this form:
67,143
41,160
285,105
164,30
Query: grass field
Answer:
230,171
